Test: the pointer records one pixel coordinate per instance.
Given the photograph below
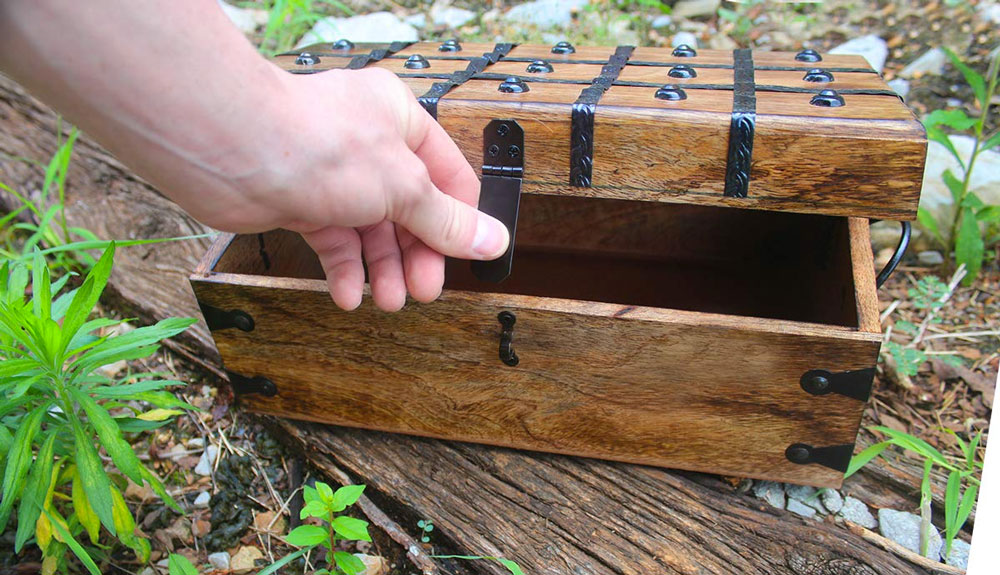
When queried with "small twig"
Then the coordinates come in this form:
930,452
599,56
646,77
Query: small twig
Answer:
952,285
902,552
888,311
987,333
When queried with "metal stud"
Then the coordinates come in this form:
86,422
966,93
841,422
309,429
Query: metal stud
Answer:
539,67
684,51
798,453
682,71
343,44
563,48
808,55
827,99
671,93
450,46
816,383
416,62
818,75
513,85
307,59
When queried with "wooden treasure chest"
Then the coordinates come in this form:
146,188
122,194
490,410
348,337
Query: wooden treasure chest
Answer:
690,282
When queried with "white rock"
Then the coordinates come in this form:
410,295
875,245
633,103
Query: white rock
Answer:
904,528
207,461
930,62
855,511
900,86
176,452
621,33
806,495
202,499
246,19
545,13
450,16
832,500
662,21
245,559
985,182
151,571
374,27
771,492
990,11
691,8
417,20
219,560
930,258
873,48
959,556
799,508
684,38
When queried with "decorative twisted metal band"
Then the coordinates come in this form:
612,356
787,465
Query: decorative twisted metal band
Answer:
741,128
581,144
361,60
476,66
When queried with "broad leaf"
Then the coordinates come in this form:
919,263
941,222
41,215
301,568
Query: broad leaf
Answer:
935,134
111,437
306,536
351,529
348,563
325,493
345,496
969,245
929,222
314,508
954,186
179,565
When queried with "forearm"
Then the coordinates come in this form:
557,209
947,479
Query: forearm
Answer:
171,88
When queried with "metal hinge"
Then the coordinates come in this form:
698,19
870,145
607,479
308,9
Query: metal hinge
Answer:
218,319
500,192
856,384
836,457
243,385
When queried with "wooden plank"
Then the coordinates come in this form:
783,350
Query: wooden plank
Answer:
863,269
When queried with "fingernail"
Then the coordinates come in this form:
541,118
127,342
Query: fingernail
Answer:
491,237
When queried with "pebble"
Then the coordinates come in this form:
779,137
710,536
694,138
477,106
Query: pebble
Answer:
930,258
374,27
449,16
990,11
545,13
196,443
930,62
855,511
417,20
151,571
219,560
662,21
904,528
873,48
832,500
691,8
684,38
806,495
900,86
202,499
959,556
770,492
207,461
245,559
799,508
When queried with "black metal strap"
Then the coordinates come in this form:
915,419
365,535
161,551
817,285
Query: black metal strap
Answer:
741,127
836,457
581,145
476,66
361,60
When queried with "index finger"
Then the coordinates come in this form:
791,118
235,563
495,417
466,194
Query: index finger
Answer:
447,166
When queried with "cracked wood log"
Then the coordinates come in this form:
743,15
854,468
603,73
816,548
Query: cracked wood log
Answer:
550,513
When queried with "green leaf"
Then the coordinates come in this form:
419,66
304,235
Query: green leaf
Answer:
325,493
969,247
348,563
157,486
19,460
274,567
84,512
866,455
314,508
935,134
952,493
970,453
345,496
309,494
306,536
96,484
87,295
914,444
954,186
179,565
988,214
41,287
109,434
80,553
973,78
351,529
33,496
991,143
514,568
511,566
929,222
965,509
955,119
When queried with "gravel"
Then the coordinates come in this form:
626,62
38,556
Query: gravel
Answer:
904,528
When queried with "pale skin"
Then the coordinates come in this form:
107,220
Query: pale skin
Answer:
349,159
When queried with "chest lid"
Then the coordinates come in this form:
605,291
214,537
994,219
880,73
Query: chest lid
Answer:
784,131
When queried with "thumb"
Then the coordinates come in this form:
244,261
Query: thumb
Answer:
444,223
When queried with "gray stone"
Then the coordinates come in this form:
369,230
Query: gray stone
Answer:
417,20
147,571
202,499
691,8
196,443
855,511
805,495
545,13
449,16
620,32
207,461
900,86
832,500
904,528
799,508
684,38
873,48
930,62
959,556
985,181
662,21
219,560
930,258
770,492
246,19
990,11
374,27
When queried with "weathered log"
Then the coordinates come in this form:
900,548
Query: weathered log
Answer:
552,514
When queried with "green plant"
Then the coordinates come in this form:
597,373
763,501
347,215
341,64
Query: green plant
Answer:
960,492
288,20
425,526
741,19
974,224
511,566
324,503
179,565
56,401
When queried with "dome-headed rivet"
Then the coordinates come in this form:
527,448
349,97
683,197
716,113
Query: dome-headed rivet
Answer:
816,384
818,75
827,99
539,67
808,55
671,93
684,51
682,71
343,44
798,453
450,46
513,85
563,48
307,59
416,62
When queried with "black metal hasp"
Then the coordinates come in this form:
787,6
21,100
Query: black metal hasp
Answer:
818,75
539,67
808,55
827,99
581,144
507,354
450,46
670,93
306,59
684,51
500,191
856,384
836,457
476,65
741,126
416,62
890,266
218,319
563,48
682,71
343,44
243,385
